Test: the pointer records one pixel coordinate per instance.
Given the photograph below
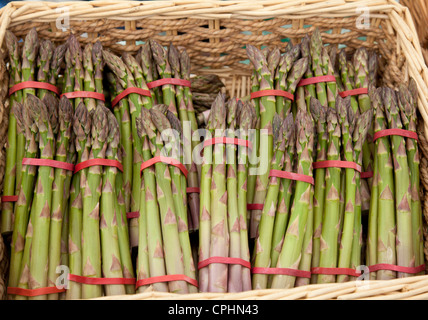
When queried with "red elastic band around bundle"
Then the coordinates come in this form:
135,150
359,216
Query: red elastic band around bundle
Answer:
226,140
367,175
391,267
167,278
315,80
98,162
292,176
282,271
48,163
34,85
336,271
84,94
267,93
224,260
100,281
174,81
193,190
33,292
255,206
9,198
132,215
395,132
354,92
166,160
128,91
337,164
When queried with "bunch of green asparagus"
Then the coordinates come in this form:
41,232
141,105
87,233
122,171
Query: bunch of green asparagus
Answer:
223,211
271,71
164,247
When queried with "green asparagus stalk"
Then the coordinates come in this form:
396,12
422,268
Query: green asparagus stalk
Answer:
293,240
245,123
172,249
76,57
151,259
408,104
330,222
283,133
193,198
404,237
11,166
347,119
319,113
29,114
110,252
308,91
386,223
219,244
44,65
56,64
82,124
91,251
42,201
65,116
316,46
235,271
88,73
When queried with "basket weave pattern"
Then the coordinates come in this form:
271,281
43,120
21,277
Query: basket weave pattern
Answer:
215,37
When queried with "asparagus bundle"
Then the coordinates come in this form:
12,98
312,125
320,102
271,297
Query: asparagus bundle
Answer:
265,70
164,247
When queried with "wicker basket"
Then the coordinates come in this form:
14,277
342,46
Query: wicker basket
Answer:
215,37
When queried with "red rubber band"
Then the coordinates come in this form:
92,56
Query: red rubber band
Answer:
98,162
33,292
367,175
9,198
48,163
193,190
354,92
267,93
84,94
282,271
226,140
100,281
132,215
336,271
315,80
337,164
255,206
34,85
128,91
166,160
391,267
167,278
395,132
224,260
292,176
174,81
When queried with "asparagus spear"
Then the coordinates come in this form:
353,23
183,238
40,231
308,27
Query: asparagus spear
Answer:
283,132
235,271
82,124
408,104
29,113
330,222
44,65
404,242
41,207
316,46
11,166
172,249
386,223
88,76
219,244
65,116
56,64
91,251
110,252
293,240
245,122
347,119
76,57
306,92
151,258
